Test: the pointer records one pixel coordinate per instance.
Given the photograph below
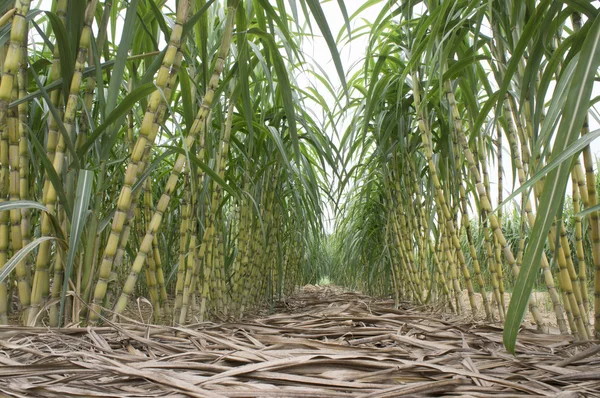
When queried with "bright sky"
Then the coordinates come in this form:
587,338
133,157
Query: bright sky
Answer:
317,53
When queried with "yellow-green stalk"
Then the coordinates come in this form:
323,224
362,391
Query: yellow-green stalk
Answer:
151,281
252,273
127,226
445,215
50,194
41,279
160,279
581,263
236,268
209,232
497,256
498,251
57,284
23,148
486,204
530,219
4,240
60,9
492,268
221,295
566,286
148,131
594,217
184,235
590,176
243,272
476,266
565,245
196,129
437,255
4,215
8,128
90,86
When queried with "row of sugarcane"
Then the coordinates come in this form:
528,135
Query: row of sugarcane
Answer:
180,167
450,90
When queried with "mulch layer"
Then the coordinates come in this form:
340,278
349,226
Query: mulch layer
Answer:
322,342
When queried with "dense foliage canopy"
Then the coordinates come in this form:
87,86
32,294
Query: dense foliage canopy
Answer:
164,149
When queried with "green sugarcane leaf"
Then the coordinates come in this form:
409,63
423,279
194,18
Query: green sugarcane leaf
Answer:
80,213
573,116
284,86
43,36
532,25
5,4
74,20
21,254
28,204
57,117
148,76
244,75
319,16
583,6
274,17
95,52
55,84
67,60
193,20
567,154
208,170
344,11
121,110
186,98
118,75
51,174
587,211
158,15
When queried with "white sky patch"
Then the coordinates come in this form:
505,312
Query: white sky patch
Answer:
319,59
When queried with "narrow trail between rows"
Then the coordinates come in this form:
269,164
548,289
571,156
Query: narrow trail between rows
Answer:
322,342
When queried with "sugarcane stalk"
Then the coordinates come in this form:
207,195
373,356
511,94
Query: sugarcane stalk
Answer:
90,86
581,263
209,232
196,129
8,127
151,281
50,194
148,131
184,236
527,208
446,216
486,204
498,249
221,294
571,274
4,241
57,284
594,217
160,279
476,266
5,289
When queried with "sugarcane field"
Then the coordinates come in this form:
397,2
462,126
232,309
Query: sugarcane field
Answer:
299,198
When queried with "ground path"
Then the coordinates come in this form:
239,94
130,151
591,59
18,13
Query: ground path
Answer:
323,342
